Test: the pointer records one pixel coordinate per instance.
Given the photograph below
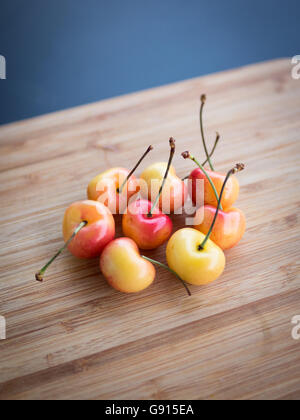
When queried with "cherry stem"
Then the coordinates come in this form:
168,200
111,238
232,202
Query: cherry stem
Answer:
172,152
171,271
213,149
120,189
203,100
39,274
187,155
238,167
210,155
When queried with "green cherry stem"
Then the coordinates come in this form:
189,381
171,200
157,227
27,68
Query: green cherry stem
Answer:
172,152
187,155
238,167
39,274
213,149
171,271
210,155
120,189
203,100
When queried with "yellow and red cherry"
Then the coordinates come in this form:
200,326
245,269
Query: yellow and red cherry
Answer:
115,187
88,226
149,231
213,182
143,222
96,234
175,190
125,269
192,255
229,228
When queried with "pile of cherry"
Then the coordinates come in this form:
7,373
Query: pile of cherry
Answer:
194,254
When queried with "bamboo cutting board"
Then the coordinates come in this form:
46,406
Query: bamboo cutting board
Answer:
75,337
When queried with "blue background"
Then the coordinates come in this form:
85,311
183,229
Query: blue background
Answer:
62,53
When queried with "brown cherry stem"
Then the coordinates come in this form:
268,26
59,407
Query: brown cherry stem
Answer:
171,271
172,152
238,167
120,189
39,274
203,100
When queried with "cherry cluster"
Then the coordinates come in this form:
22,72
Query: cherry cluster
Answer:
195,255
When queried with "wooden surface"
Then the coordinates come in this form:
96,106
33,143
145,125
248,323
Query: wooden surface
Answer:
75,337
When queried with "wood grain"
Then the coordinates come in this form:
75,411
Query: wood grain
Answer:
75,337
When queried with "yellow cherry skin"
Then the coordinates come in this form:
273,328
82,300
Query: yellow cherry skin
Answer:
124,268
194,266
174,191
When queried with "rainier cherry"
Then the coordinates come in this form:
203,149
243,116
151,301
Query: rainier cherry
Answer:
115,187
144,222
126,270
230,224
229,228
213,182
88,226
192,255
175,191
